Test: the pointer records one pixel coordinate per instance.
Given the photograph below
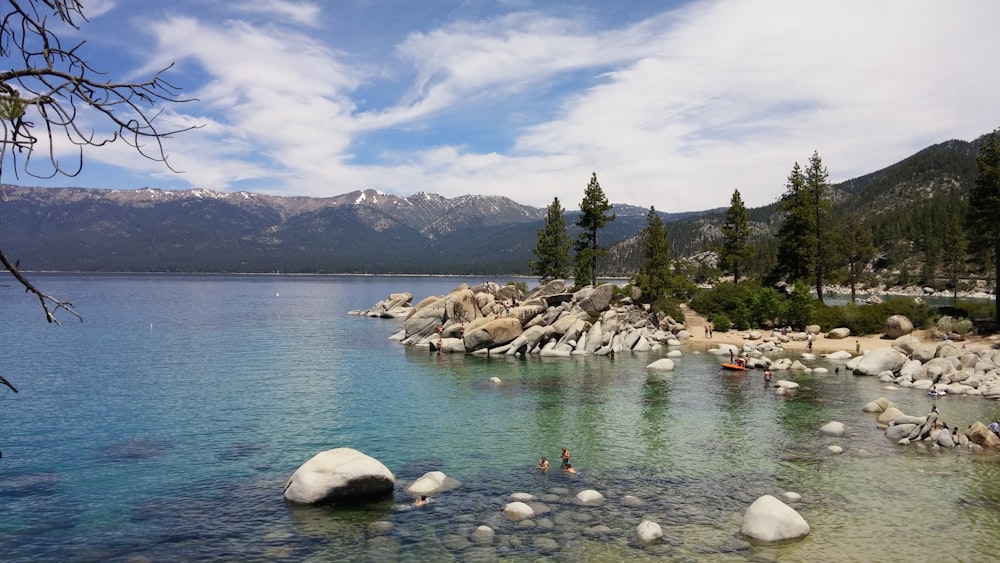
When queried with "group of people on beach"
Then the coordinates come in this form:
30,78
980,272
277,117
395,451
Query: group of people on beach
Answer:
566,466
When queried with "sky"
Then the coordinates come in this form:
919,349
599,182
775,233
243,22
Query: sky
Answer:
672,104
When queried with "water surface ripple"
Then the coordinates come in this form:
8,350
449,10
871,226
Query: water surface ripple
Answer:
165,425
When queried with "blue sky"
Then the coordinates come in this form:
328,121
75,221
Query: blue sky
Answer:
672,104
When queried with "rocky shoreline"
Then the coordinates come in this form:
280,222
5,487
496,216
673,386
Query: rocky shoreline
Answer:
491,319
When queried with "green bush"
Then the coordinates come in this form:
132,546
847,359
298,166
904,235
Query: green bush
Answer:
973,310
721,322
870,319
746,305
668,307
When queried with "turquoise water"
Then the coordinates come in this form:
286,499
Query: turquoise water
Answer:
165,426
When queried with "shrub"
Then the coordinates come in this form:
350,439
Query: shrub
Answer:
870,319
668,307
721,322
951,325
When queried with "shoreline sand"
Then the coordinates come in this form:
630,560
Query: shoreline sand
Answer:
695,325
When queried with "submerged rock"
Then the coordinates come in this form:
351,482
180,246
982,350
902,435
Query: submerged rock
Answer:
770,520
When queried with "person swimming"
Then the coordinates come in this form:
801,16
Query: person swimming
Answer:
567,468
422,501
544,464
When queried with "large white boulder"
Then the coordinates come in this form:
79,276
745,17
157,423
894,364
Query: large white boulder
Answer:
877,361
839,333
897,325
337,474
770,520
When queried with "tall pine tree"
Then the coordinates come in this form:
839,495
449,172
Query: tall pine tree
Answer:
856,248
654,275
955,244
818,190
804,232
983,217
553,246
592,219
736,249
796,247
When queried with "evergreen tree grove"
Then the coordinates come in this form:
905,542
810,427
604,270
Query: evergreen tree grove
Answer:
984,204
804,233
654,275
553,246
736,247
592,219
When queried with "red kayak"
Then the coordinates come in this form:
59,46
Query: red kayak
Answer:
734,367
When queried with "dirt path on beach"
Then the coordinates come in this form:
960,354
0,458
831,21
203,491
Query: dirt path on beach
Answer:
695,324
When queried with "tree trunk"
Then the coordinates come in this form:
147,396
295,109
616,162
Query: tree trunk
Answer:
996,279
854,294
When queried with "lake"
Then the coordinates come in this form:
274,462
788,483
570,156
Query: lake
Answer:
165,425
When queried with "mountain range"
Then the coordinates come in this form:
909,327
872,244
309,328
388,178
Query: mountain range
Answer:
145,230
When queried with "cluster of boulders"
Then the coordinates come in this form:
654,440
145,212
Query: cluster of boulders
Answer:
347,474
945,367
550,321
906,429
756,356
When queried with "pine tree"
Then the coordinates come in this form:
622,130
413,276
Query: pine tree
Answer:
796,247
592,218
736,249
818,190
856,248
804,232
654,275
983,218
955,247
552,250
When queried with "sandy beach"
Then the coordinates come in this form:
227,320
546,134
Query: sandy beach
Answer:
695,324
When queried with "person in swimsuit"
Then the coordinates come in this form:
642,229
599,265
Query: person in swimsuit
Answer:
544,464
565,458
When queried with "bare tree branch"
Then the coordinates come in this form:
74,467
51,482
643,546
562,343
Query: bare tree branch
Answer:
51,95
55,83
45,299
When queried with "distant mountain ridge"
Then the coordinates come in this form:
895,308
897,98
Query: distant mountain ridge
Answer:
367,231
364,231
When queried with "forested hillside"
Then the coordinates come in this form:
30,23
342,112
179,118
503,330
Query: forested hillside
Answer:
907,208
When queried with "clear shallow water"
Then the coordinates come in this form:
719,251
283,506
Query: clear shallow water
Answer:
166,424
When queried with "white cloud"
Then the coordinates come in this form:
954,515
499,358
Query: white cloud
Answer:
306,13
675,110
